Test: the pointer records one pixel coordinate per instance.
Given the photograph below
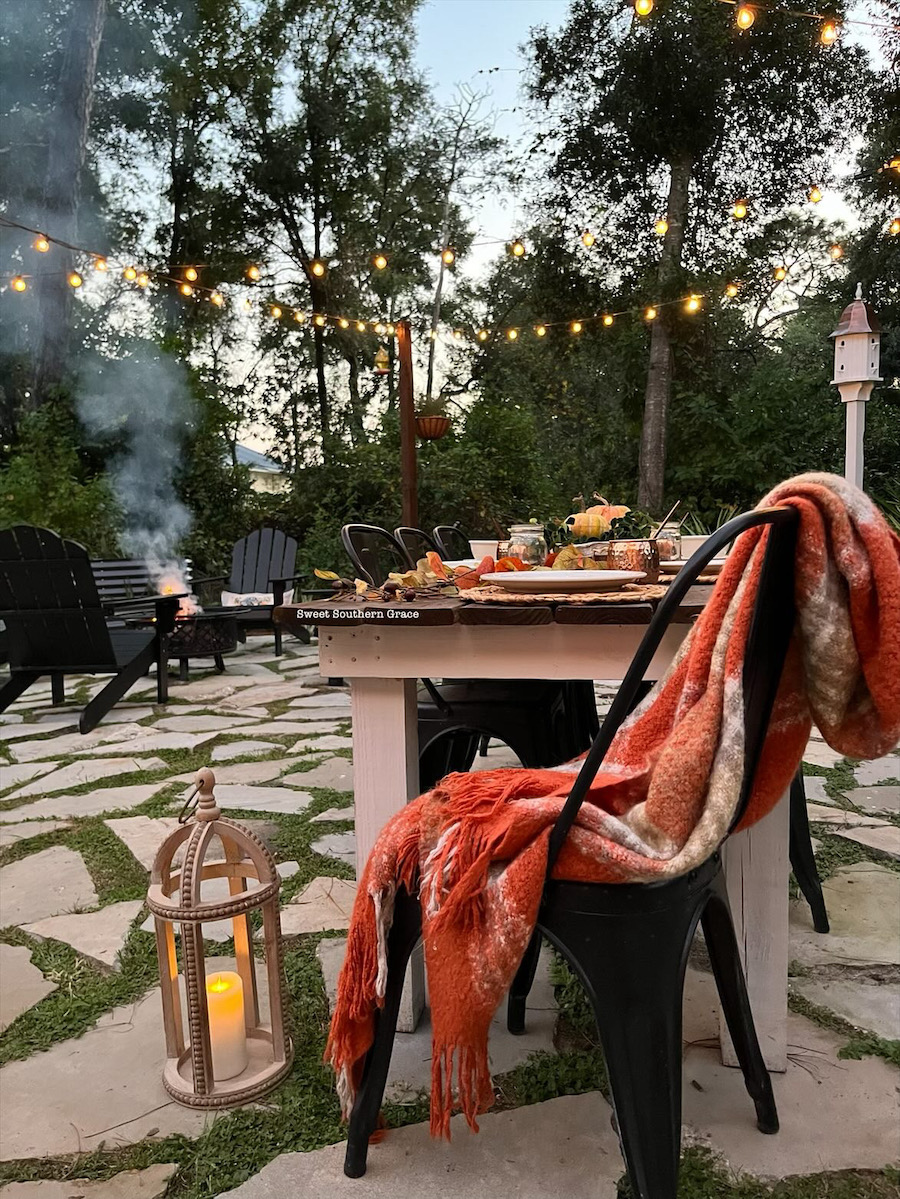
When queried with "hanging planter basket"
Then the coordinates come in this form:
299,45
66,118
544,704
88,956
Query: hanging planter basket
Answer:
430,428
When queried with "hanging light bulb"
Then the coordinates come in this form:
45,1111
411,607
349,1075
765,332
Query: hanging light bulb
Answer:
186,289
74,279
661,227
587,239
253,274
130,274
391,329
482,334
576,326
319,320
739,210
779,274
360,326
643,8
275,312
100,264
541,331
608,319
318,268
448,257
745,16
692,304
41,244
191,274
831,31
380,329
217,298
517,248
731,290
379,262
19,284
512,334
650,313
894,226
836,252
344,323
143,280
815,194
299,317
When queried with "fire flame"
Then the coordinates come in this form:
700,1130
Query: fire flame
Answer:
174,583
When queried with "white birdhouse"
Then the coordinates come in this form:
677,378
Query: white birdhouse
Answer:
857,349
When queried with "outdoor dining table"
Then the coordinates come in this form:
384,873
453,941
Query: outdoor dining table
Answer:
382,649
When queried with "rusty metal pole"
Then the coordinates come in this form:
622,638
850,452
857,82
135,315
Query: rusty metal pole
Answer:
409,489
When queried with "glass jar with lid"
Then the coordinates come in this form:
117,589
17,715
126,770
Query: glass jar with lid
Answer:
527,542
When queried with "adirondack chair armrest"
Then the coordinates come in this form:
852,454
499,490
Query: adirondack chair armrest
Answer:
289,579
211,579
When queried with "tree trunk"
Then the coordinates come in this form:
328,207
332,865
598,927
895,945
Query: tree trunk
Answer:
658,392
66,151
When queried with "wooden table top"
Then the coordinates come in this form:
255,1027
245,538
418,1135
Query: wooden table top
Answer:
348,612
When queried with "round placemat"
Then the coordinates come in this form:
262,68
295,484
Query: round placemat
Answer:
631,593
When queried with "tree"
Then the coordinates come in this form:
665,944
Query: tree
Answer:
677,118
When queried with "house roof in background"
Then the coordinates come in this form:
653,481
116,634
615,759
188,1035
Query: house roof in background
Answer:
255,460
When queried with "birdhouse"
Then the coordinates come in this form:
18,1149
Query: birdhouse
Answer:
382,362
857,344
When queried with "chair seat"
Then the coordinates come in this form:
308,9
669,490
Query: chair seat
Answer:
255,616
128,643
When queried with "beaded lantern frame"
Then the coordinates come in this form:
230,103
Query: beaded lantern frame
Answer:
174,898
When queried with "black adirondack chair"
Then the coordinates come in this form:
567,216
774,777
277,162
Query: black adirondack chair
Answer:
629,942
57,623
263,562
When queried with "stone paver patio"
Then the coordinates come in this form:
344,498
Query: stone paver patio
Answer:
81,1044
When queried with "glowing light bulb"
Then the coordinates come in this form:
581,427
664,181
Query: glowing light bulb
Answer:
253,273
541,331
344,323
143,280
650,313
449,256
186,289
19,284
745,16
587,239
836,252
391,329
831,31
661,227
300,317
379,262
482,334
75,280
643,8
731,290
318,268
894,226
41,244
100,264
517,248
608,319
130,274
512,334
217,298
576,326
360,326
191,274
692,304
319,320
815,194
739,210
433,334
275,312
457,333
780,273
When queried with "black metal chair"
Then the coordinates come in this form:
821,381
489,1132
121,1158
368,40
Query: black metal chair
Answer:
629,943
57,623
416,542
452,542
263,562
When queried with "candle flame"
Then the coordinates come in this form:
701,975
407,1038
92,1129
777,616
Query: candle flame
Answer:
219,984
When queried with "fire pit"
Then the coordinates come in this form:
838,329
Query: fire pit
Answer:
206,633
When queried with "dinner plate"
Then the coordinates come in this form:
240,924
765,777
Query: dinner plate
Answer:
673,566
460,562
550,581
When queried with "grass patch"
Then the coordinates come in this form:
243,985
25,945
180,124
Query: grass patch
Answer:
861,1042
836,852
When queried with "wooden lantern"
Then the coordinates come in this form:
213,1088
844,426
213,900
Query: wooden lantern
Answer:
231,1054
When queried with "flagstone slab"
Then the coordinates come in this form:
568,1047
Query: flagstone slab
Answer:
862,901
308,727
872,1003
11,834
10,718
814,788
885,840
285,800
143,835
44,884
334,814
317,743
216,687
125,713
75,743
264,693
334,773
91,803
242,749
11,775
151,1183
337,845
280,728
87,771
324,904
820,754
105,1086
877,771
40,727
202,724
319,713
243,772
324,699
150,741
23,985
96,935
875,799
843,817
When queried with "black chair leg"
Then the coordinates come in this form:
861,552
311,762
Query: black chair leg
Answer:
278,636
14,686
184,671
219,663
483,746
721,943
58,688
521,986
115,689
803,860
405,932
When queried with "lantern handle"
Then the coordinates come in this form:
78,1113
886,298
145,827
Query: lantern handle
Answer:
189,804
201,799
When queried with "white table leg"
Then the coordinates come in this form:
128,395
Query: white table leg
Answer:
756,871
385,777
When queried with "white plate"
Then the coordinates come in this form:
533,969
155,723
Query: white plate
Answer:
550,581
673,566
460,562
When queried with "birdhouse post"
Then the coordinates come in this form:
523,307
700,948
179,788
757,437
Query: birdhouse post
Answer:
857,347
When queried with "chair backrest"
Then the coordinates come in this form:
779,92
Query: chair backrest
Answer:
127,578
50,604
768,640
452,542
416,542
263,555
374,552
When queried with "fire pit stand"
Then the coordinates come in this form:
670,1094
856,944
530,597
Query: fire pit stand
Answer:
207,634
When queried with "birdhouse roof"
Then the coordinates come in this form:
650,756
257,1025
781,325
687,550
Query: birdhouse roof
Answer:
857,317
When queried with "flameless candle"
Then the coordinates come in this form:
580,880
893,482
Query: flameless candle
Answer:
227,1034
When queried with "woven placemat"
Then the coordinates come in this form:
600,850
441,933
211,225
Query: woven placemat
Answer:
631,593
